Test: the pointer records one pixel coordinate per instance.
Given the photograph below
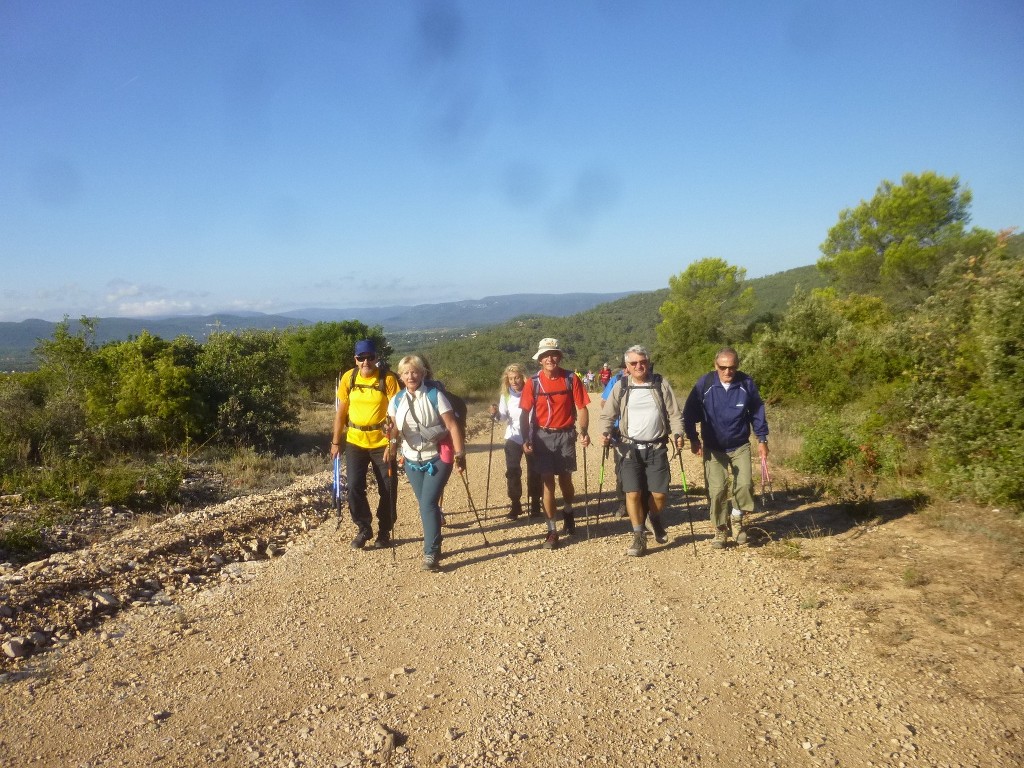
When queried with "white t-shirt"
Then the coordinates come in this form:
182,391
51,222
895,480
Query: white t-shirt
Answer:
509,410
644,421
414,446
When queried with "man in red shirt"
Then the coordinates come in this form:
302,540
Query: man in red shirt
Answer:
554,404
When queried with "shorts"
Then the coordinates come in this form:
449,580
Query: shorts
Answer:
644,468
554,453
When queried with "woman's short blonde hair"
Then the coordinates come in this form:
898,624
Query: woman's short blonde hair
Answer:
412,361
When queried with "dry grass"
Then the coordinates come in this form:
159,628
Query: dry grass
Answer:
784,549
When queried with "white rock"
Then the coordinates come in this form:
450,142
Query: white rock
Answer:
16,648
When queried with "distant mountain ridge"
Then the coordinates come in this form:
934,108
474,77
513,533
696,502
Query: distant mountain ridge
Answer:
18,339
463,314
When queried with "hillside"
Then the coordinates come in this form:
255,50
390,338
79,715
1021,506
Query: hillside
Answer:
589,338
17,340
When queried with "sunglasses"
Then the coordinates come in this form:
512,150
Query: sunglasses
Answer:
364,358
727,367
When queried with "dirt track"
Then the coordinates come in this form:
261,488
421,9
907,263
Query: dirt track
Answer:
513,655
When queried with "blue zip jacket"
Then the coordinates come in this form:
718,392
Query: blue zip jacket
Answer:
726,415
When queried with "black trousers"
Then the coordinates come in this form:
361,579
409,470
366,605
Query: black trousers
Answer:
514,473
358,463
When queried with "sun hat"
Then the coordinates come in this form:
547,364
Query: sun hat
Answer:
366,347
545,346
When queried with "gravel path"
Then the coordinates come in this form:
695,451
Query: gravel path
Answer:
511,655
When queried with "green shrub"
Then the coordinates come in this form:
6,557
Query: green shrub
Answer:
826,448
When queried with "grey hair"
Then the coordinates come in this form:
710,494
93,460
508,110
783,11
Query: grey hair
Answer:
636,349
728,352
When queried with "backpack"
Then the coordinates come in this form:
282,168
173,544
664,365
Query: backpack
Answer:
459,407
381,385
432,387
655,387
538,391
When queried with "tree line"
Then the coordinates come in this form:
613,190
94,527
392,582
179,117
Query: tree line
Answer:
903,354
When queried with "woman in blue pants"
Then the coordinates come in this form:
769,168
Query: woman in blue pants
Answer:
432,444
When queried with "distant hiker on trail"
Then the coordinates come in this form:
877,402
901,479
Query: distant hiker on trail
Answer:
588,380
605,375
727,405
553,404
359,425
508,409
648,414
430,440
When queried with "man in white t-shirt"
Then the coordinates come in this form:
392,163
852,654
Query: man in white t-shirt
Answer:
649,416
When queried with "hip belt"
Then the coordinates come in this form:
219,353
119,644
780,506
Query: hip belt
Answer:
563,429
643,445
369,427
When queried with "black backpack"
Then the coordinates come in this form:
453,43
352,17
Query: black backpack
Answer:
383,372
459,407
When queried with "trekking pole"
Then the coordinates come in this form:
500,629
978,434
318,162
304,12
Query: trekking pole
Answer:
766,485
686,500
469,498
337,464
337,491
600,483
487,488
393,482
586,493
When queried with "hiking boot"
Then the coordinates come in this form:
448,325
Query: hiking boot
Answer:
551,540
660,534
639,545
383,540
739,533
430,563
721,537
568,524
360,539
517,510
535,509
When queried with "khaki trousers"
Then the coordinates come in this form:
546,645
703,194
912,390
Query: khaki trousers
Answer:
719,468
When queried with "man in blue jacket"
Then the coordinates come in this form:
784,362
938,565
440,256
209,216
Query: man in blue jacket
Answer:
727,405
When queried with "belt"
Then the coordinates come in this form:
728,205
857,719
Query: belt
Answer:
644,445
563,429
370,427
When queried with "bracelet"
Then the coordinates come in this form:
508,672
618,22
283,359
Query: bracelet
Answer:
338,444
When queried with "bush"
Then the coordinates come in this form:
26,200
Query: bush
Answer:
826,448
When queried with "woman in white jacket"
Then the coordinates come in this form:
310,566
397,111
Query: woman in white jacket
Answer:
507,410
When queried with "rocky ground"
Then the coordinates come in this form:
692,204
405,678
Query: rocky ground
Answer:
248,633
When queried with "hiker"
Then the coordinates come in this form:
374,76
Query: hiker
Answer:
620,511
508,410
605,375
588,380
554,405
727,405
429,441
648,415
359,425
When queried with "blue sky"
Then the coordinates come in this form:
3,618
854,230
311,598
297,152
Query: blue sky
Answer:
193,157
